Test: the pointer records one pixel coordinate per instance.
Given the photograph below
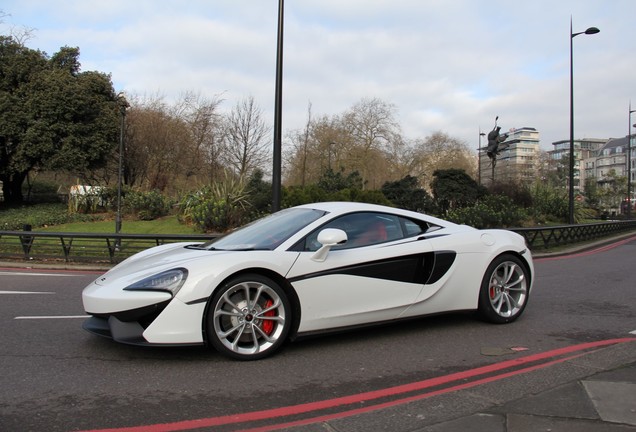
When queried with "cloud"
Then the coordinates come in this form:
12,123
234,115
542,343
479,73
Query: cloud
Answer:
448,66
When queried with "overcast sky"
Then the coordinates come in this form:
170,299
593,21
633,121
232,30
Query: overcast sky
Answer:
446,65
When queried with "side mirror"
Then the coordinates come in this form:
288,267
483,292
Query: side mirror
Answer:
328,238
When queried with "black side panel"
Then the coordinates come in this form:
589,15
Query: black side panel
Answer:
443,261
404,269
410,269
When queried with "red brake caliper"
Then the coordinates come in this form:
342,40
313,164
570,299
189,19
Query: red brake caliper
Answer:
268,325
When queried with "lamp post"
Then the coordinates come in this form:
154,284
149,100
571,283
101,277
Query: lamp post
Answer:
629,162
479,152
589,31
278,101
123,104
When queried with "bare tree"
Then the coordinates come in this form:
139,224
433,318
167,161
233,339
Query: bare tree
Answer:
366,139
19,34
245,138
439,152
373,128
204,124
297,158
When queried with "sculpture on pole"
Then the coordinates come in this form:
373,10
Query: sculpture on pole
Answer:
494,141
495,146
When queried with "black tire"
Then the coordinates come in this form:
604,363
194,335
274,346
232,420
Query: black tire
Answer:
504,290
248,318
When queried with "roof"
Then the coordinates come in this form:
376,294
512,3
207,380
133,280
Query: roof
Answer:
613,144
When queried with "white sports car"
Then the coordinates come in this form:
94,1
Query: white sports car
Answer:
308,269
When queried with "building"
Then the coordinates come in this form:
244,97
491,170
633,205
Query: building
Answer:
610,164
584,150
612,157
517,160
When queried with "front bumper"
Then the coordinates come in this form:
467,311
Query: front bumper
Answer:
124,332
169,323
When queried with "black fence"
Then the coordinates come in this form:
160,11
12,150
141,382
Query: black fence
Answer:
113,248
84,247
542,238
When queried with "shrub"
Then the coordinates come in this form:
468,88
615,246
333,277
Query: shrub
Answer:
217,207
297,195
548,204
40,215
406,193
491,211
146,205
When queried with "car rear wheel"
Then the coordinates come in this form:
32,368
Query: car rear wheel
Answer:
504,290
249,317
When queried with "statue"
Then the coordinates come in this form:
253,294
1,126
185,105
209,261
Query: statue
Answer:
494,139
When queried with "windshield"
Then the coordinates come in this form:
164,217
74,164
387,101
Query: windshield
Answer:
266,233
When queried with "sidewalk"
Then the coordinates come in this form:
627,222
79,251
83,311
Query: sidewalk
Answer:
602,402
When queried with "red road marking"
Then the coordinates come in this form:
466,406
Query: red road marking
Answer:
408,399
571,352
589,252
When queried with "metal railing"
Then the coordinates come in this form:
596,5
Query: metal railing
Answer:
84,247
113,248
542,238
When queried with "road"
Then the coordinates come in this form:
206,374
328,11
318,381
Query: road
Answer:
57,377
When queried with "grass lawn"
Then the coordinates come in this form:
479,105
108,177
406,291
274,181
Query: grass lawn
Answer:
165,225
91,248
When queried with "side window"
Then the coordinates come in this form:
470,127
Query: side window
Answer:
363,229
413,228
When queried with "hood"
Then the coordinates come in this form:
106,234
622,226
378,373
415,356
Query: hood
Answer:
155,260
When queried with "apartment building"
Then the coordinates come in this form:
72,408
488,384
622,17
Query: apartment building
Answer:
585,149
517,160
612,157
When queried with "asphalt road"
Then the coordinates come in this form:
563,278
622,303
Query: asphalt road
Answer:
57,377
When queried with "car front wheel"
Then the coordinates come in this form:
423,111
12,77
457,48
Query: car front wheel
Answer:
504,290
249,317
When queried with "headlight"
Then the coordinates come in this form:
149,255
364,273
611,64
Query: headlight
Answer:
171,281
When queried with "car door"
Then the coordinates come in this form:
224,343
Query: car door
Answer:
374,276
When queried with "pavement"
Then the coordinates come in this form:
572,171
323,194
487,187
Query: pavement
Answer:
594,392
601,399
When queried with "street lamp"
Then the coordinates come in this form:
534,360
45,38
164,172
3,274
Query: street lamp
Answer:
589,31
123,104
629,162
479,151
278,102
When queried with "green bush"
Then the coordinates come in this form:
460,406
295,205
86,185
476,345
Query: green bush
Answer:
260,195
146,205
548,204
297,195
491,211
40,215
218,207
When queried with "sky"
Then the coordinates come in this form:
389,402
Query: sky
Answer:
447,66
